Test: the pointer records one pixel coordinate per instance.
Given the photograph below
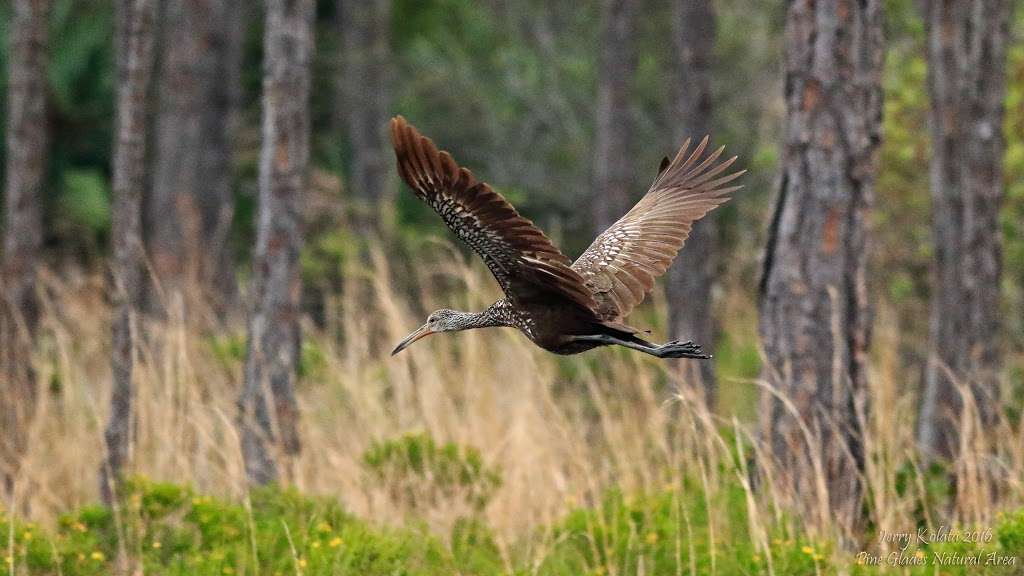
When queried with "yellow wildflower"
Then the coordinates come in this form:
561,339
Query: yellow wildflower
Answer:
652,537
302,562
919,554
157,544
228,570
315,544
98,556
335,542
807,550
323,527
8,559
26,535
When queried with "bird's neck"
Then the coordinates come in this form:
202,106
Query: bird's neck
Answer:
497,314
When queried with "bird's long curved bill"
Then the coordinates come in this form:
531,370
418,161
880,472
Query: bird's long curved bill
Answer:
419,333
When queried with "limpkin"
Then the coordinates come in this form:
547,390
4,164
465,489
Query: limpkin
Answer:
563,306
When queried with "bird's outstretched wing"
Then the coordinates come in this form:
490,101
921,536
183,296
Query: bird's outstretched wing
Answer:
525,263
621,265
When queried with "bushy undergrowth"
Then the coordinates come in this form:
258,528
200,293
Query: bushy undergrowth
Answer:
672,532
169,529
418,469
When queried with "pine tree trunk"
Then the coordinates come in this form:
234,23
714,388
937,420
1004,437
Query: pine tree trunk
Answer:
274,344
613,175
189,214
691,276
967,80
365,103
27,139
135,36
813,302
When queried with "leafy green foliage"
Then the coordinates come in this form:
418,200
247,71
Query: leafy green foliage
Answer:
420,472
229,350
475,549
327,254
1010,532
168,529
659,533
902,262
85,201
1013,214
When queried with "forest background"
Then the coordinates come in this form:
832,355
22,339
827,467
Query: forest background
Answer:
477,453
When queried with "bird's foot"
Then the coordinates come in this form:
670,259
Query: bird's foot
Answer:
677,349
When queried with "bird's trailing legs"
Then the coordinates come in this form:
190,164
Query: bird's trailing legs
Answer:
673,349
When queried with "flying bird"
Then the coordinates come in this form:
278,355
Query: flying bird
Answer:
563,306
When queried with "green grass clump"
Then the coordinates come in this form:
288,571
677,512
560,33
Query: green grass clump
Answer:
420,472
678,529
1010,532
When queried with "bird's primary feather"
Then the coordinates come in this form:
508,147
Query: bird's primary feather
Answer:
526,264
621,265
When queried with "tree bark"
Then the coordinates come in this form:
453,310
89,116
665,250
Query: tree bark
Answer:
613,175
692,275
365,101
813,297
274,343
27,140
967,82
135,35
191,208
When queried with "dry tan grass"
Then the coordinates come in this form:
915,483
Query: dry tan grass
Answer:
623,420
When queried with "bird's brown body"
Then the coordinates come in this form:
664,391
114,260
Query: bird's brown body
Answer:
564,307
552,325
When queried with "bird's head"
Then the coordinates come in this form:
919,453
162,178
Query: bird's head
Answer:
443,320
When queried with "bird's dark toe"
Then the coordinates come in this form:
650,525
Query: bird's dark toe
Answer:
688,349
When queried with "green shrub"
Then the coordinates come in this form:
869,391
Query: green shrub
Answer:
420,473
229,350
1010,534
474,548
85,201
